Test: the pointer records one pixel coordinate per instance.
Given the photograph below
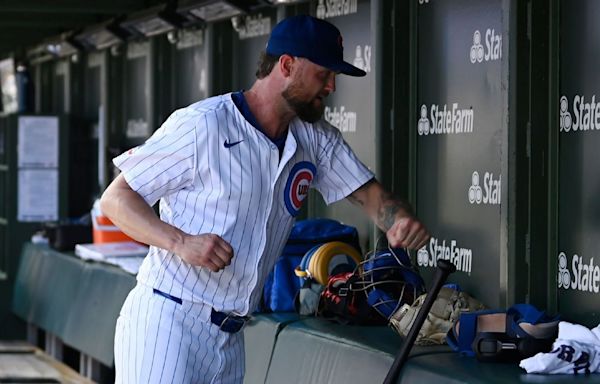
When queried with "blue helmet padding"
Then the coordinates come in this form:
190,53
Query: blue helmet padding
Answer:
402,255
382,302
385,258
396,281
453,286
412,278
381,262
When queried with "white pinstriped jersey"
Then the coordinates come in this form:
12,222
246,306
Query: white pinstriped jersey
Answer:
215,173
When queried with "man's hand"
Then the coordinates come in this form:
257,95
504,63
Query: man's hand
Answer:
391,215
407,232
206,250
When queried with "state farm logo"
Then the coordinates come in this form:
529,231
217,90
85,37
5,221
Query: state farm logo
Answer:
461,257
564,277
340,118
491,193
423,124
565,120
444,120
584,276
333,8
423,257
491,51
362,58
254,26
586,115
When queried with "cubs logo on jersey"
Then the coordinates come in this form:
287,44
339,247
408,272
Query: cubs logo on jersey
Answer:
297,185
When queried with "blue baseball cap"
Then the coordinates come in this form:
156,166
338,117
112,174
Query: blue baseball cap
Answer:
314,39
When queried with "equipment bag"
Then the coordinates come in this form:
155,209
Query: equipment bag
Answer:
282,284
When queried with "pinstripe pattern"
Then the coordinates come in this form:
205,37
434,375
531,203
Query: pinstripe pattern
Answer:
235,192
160,341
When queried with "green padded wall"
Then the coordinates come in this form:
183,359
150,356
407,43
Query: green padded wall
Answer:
578,278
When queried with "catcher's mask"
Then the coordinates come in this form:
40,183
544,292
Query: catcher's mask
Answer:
389,280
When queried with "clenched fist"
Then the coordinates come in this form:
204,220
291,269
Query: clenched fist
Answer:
407,232
205,250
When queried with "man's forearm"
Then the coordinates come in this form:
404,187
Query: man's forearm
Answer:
130,212
392,215
390,208
380,205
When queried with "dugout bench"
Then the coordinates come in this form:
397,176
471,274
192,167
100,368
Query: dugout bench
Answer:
78,303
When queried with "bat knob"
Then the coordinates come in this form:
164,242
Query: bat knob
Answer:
446,266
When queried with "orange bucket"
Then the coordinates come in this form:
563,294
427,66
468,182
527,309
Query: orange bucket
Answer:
104,231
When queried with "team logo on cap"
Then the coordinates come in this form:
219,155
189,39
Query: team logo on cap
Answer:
297,185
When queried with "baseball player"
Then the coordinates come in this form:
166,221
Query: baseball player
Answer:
231,173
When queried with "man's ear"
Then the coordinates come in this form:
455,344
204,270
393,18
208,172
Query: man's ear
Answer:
286,62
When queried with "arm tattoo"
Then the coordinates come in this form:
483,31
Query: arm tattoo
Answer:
390,206
383,208
387,215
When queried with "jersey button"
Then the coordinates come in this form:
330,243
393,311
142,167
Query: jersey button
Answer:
273,147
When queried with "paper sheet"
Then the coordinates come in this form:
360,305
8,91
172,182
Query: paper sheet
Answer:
38,195
38,141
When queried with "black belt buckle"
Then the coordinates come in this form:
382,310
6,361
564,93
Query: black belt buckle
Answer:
227,322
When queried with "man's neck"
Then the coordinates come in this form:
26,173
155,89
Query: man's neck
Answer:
269,107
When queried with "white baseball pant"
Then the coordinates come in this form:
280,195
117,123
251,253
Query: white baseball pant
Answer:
158,340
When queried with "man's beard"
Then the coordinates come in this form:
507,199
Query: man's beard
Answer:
305,110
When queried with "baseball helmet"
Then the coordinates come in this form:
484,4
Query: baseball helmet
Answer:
389,280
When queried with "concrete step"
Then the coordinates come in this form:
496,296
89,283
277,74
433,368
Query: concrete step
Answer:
21,362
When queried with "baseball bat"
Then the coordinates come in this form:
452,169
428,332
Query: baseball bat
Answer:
444,269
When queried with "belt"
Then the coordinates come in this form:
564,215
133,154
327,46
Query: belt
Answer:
226,322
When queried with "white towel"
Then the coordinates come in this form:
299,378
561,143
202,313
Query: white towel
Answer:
576,351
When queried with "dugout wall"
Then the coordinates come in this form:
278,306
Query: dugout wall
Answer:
482,113
463,180
436,117
576,257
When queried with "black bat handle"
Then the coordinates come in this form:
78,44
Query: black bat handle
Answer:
444,269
